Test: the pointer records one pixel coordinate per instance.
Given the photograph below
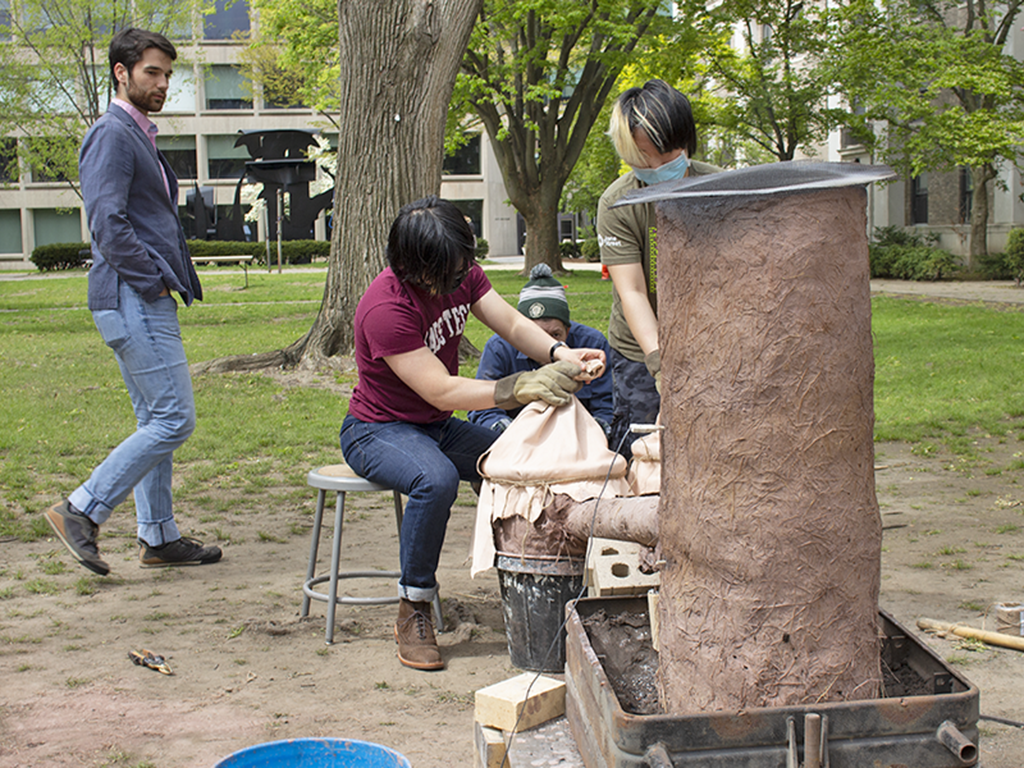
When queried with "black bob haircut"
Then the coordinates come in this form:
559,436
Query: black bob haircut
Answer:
130,43
431,245
663,113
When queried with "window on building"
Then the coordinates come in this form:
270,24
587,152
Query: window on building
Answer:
180,152
48,159
226,161
181,96
919,199
10,231
8,161
465,161
53,225
225,90
966,194
5,20
474,209
229,17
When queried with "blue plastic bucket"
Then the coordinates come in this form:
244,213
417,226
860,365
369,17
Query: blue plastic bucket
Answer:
315,753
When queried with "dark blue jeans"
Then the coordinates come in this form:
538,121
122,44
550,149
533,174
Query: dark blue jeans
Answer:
636,399
424,462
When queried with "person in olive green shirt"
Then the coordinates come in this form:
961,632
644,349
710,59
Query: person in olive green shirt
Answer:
653,131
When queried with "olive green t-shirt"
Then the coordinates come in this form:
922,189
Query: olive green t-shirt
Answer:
628,235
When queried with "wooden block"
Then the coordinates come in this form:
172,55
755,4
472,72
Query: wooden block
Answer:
653,616
616,569
490,746
505,705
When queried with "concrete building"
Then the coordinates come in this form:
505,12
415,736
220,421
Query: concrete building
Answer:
199,124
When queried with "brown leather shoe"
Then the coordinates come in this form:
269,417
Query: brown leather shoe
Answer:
414,633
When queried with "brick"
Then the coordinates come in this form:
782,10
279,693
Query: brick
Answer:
613,569
505,705
490,746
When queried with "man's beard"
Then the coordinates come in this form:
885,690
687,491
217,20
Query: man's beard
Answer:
147,101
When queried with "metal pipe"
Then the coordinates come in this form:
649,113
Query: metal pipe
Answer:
812,740
951,738
657,756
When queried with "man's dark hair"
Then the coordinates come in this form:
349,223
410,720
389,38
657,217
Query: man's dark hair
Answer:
431,245
130,43
663,113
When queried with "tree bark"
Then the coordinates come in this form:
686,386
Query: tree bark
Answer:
399,62
980,177
398,66
769,526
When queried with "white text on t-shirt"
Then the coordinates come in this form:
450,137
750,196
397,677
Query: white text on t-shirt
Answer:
450,324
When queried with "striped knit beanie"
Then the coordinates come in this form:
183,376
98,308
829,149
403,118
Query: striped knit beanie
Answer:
543,296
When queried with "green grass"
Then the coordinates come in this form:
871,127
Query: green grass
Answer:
942,372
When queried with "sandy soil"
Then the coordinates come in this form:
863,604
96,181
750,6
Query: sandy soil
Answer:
247,669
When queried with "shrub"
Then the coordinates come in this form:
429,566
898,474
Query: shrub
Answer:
569,249
482,249
590,249
54,256
292,251
1014,256
906,255
994,266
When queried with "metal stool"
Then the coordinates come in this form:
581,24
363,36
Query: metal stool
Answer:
341,479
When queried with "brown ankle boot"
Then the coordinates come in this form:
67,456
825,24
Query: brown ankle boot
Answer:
414,633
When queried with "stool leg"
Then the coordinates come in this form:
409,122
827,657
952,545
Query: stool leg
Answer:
314,547
438,617
332,594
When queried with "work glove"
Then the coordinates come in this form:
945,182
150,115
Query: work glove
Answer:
553,383
653,362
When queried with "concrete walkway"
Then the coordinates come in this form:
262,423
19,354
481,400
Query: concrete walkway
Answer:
988,291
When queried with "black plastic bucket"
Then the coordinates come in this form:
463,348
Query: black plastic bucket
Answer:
534,593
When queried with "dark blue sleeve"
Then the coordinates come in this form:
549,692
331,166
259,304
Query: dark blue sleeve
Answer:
497,361
597,395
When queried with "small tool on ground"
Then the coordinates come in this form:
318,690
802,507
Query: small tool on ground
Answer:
144,658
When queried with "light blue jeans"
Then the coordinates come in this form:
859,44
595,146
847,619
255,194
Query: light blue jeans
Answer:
146,341
425,462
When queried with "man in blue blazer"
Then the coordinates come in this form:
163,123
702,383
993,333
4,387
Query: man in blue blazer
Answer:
139,258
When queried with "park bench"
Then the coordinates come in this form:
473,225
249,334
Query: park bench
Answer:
244,259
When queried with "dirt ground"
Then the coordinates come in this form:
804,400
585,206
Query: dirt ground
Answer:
247,669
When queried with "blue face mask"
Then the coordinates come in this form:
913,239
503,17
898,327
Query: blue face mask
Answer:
670,171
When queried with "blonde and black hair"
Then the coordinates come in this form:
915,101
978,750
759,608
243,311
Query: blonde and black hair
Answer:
662,112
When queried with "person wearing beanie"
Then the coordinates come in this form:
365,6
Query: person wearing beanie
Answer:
543,301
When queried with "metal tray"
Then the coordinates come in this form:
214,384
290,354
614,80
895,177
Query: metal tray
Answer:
937,730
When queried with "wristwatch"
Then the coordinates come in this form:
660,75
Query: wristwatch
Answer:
555,346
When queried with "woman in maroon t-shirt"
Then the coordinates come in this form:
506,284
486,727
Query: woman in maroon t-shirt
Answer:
399,430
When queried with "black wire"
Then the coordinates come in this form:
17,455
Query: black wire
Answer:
583,589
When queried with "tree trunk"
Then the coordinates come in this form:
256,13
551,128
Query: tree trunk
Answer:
542,247
398,66
769,526
980,177
399,61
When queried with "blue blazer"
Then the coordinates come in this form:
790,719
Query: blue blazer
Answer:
136,233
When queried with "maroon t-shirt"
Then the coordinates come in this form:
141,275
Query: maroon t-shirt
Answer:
393,318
